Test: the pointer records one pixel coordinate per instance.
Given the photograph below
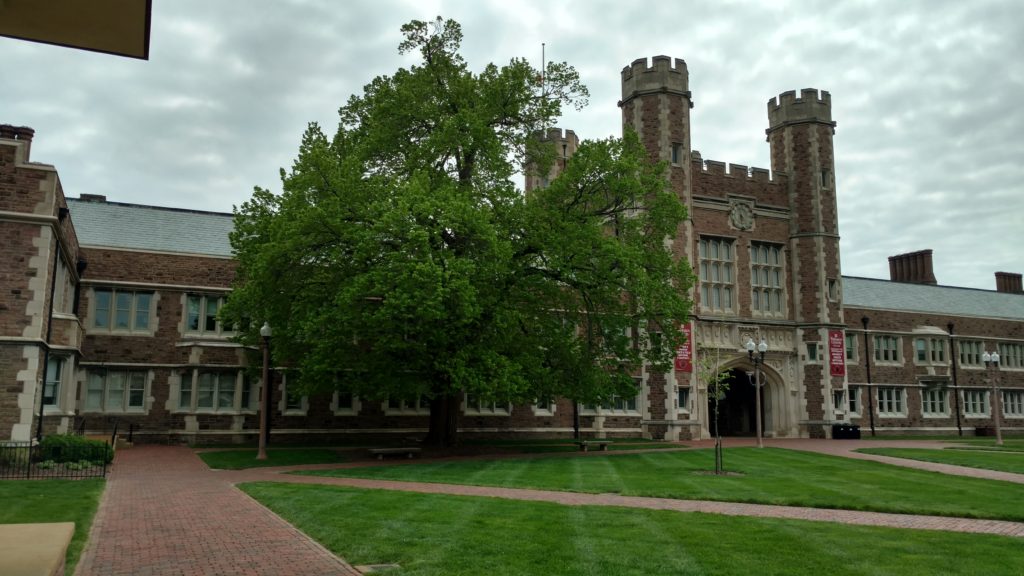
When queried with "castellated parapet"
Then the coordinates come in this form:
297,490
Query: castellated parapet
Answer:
663,75
809,107
566,142
718,168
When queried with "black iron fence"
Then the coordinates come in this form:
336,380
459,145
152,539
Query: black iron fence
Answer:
55,458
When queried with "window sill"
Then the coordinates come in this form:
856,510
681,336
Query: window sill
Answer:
131,333
935,416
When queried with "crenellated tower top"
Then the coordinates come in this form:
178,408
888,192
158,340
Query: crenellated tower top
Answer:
662,75
809,107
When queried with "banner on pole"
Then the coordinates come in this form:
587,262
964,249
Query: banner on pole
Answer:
684,354
836,353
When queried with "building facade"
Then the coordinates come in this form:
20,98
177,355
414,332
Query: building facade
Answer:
108,311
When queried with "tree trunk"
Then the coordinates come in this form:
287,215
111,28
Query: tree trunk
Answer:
444,420
718,442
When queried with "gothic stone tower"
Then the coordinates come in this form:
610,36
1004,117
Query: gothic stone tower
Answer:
800,134
656,104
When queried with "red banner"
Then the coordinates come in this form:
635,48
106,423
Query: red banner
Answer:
836,353
684,355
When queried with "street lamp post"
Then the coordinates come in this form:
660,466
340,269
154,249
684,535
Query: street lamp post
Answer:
265,334
757,360
992,368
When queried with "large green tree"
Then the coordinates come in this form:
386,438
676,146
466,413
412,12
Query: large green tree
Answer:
401,261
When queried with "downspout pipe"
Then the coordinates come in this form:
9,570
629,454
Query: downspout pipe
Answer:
956,390
867,366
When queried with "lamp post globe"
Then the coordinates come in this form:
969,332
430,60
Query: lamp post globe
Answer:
265,332
991,361
757,359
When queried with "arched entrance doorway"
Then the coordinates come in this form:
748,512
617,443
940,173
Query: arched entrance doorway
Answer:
736,412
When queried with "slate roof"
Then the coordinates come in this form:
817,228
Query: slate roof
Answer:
947,300
119,225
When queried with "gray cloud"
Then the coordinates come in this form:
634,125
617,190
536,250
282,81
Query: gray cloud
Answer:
925,93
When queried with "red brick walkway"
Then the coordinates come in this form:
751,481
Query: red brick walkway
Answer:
164,513
920,522
846,448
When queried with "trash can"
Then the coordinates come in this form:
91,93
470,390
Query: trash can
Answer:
845,432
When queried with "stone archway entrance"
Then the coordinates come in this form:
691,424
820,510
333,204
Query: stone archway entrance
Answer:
736,416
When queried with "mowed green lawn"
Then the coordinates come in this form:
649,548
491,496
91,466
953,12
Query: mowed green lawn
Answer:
429,534
246,458
767,476
1004,461
38,501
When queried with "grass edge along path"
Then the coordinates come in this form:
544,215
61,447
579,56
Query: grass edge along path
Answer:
246,458
984,458
40,501
428,534
772,476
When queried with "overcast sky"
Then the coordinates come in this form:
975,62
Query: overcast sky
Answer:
927,95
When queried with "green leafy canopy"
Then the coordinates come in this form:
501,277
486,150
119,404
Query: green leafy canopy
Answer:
400,259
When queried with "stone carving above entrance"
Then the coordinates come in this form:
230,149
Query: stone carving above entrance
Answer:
733,337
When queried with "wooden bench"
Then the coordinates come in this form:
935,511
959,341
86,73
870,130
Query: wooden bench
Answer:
408,451
602,444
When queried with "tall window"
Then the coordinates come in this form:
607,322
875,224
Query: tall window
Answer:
854,400
1011,355
416,405
976,402
717,278
890,401
51,389
477,405
766,279
929,350
851,346
683,399
837,400
345,403
121,310
970,352
887,348
201,315
216,391
1013,403
115,391
933,402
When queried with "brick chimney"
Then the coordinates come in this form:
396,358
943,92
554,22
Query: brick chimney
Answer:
19,133
1009,282
92,197
912,267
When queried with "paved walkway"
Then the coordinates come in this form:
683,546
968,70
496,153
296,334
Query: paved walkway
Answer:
846,448
164,513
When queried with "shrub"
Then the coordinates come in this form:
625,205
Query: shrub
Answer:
68,448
